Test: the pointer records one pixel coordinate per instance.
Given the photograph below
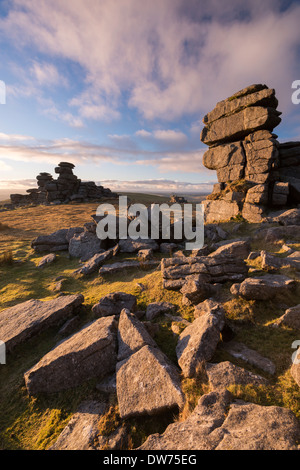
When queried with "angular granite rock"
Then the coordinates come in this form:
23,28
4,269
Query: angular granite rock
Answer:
263,288
291,318
224,374
220,423
25,320
96,261
132,335
198,342
147,383
219,210
241,351
89,353
82,429
159,308
113,304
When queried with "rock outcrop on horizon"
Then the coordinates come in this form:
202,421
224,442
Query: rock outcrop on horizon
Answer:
66,188
255,172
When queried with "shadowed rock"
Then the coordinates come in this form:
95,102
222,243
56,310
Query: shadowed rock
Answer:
113,304
263,288
25,320
224,374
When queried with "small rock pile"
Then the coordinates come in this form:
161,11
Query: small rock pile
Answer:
254,170
66,188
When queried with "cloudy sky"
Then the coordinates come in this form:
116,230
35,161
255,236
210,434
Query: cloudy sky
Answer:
120,87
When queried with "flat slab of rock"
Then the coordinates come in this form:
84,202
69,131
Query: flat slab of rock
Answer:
263,288
291,318
120,267
94,263
270,261
82,429
113,304
272,234
241,351
159,308
199,341
147,383
56,241
89,353
21,322
219,423
46,260
132,335
85,245
224,374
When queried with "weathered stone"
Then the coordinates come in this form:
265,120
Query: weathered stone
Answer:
147,383
224,374
117,440
199,341
85,245
254,95
97,260
133,246
291,318
159,308
261,156
289,217
272,234
132,335
25,320
113,304
229,161
270,261
220,423
240,351
89,353
263,288
195,292
239,125
70,326
207,307
253,213
238,249
122,266
46,260
145,255
82,429
218,211
48,242
167,247
108,385
258,194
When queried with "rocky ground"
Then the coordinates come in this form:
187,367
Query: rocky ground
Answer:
144,345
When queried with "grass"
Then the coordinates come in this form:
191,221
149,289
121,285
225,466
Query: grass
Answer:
35,423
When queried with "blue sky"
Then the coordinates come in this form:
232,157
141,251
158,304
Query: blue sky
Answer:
120,87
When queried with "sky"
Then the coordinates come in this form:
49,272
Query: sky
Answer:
120,87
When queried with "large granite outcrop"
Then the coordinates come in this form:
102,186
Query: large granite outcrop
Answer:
66,188
255,172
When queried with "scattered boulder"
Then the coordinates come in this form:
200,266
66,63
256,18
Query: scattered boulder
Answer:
85,245
220,423
147,383
145,255
159,308
224,374
89,353
241,351
263,288
94,263
82,429
133,246
291,318
25,320
113,304
194,292
46,260
198,342
56,241
115,268
238,249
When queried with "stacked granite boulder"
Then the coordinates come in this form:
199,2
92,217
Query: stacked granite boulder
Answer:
254,170
67,187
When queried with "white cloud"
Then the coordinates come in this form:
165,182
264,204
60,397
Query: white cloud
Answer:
4,166
47,74
170,58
